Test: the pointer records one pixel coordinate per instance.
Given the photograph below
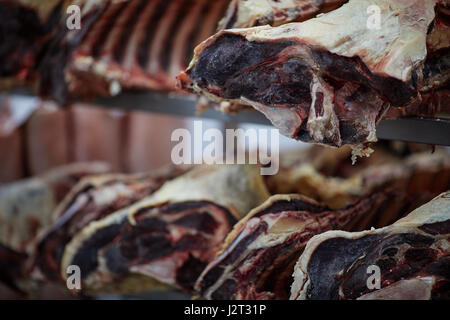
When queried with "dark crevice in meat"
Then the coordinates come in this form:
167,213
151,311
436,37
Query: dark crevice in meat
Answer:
188,273
86,257
182,11
127,29
144,47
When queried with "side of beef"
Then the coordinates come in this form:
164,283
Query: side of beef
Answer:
258,258
412,256
136,45
90,200
165,239
328,80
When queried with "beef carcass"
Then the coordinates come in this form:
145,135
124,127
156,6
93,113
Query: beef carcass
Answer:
126,44
26,206
412,255
258,258
168,238
92,199
251,13
327,80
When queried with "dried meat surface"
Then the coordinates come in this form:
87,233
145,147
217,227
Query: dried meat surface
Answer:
328,80
412,255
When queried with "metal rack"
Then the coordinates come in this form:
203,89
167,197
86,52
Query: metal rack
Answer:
422,130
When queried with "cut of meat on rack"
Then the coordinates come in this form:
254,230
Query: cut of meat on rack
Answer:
251,13
92,199
431,104
127,45
26,206
412,255
259,254
166,239
330,79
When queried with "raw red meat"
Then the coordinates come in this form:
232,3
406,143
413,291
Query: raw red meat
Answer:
126,45
412,254
328,80
92,199
168,238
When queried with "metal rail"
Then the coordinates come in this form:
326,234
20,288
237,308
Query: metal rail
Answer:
422,130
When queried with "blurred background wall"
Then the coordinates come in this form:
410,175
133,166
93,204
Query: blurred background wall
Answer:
37,135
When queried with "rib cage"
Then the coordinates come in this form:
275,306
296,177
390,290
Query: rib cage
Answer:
138,44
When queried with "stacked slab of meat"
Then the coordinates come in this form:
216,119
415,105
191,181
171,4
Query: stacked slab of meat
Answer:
331,79
217,232
120,45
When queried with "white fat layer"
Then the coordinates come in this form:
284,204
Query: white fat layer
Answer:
107,195
162,269
395,49
251,10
